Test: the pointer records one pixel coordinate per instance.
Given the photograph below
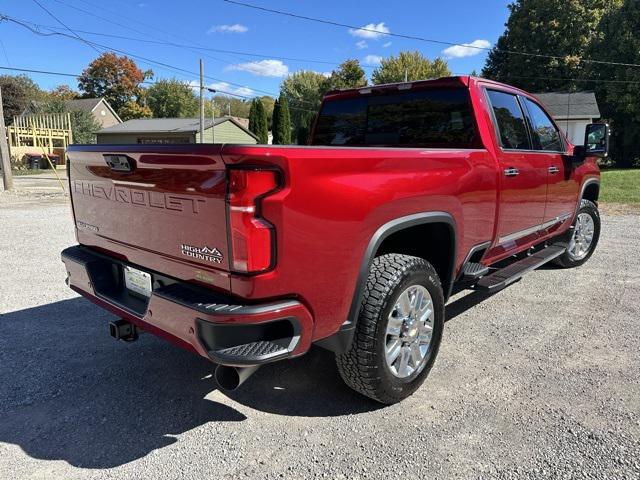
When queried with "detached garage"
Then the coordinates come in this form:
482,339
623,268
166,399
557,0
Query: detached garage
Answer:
176,130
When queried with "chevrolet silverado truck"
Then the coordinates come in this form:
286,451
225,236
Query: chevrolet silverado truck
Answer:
406,193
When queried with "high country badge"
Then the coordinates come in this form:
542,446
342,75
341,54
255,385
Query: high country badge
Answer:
205,253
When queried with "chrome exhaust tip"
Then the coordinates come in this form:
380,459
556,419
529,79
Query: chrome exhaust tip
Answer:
230,378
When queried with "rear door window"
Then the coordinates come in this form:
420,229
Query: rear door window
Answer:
433,118
545,134
510,120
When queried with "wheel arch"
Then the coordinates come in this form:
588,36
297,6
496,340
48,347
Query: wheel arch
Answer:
590,190
389,239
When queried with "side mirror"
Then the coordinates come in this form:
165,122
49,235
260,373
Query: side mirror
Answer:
596,140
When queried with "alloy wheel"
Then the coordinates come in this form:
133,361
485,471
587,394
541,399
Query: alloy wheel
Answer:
582,237
409,332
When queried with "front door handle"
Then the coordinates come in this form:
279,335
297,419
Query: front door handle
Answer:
553,169
511,172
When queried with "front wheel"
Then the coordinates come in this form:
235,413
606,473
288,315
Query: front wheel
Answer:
399,329
583,236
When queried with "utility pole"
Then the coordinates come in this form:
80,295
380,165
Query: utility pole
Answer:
213,119
201,101
213,115
7,177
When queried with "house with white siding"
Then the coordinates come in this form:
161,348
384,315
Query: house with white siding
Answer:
572,112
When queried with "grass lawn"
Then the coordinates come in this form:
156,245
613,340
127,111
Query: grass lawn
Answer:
29,171
620,186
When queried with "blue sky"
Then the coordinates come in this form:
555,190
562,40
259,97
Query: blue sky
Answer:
220,25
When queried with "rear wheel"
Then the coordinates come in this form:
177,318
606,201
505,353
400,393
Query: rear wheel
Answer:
399,329
582,237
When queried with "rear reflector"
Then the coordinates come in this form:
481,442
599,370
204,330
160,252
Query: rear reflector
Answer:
252,237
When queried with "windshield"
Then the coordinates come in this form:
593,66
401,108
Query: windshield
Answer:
434,118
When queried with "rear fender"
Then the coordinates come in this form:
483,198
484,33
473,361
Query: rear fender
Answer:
341,340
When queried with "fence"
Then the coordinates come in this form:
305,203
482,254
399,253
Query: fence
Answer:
43,131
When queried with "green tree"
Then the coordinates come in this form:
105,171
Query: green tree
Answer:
64,92
268,103
226,105
258,121
281,122
132,109
275,123
561,28
18,92
171,99
118,79
348,75
303,91
304,129
619,41
83,124
410,66
285,121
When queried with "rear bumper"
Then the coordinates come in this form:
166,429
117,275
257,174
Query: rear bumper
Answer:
211,324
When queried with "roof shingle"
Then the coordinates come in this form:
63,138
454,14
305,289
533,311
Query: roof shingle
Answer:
570,105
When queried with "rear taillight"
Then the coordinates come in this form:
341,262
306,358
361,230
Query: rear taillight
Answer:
252,238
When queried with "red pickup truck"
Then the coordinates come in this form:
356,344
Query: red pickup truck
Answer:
249,254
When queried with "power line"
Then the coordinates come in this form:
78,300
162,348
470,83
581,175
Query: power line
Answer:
247,97
64,25
127,27
45,72
219,50
192,47
4,50
146,82
415,37
136,22
34,28
584,80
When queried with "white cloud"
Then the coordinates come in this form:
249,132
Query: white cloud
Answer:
466,49
372,60
262,68
385,45
224,87
235,28
370,31
361,44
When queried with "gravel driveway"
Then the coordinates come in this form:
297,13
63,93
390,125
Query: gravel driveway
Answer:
539,381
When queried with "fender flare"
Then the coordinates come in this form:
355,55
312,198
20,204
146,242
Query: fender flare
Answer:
583,188
341,340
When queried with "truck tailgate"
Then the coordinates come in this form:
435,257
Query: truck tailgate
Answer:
159,207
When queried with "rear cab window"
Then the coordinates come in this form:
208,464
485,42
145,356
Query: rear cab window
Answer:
429,118
509,120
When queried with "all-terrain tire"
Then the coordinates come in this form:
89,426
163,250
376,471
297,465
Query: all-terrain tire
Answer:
567,260
364,366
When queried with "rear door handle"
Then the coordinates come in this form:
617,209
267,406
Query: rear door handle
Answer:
511,172
553,169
